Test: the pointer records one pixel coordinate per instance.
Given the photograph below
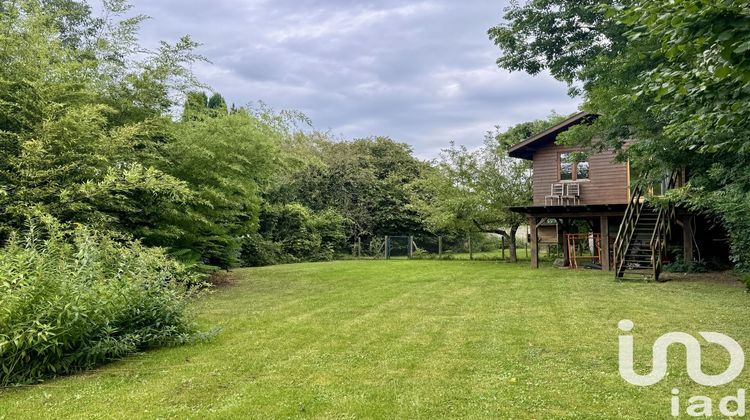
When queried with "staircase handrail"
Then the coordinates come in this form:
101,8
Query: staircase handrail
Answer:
663,229
627,228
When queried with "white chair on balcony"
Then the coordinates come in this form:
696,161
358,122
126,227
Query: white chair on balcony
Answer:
572,194
555,195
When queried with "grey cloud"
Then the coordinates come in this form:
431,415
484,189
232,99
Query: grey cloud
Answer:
421,72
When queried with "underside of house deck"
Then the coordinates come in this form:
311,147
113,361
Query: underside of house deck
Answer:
600,217
604,222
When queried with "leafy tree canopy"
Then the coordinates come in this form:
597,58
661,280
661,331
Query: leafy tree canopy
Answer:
669,80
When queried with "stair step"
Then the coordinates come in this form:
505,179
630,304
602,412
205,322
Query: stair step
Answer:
639,270
629,276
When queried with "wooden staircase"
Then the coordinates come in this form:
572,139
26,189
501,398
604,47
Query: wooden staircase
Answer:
642,239
638,259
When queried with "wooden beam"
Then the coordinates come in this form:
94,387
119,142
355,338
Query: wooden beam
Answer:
604,230
572,213
687,238
565,227
533,226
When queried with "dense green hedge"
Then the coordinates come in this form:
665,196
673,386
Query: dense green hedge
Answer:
70,300
292,233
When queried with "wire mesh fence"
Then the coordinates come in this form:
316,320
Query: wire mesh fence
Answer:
477,246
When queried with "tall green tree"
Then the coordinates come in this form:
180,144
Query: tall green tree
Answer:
68,150
196,106
473,191
669,79
450,203
226,161
366,181
217,103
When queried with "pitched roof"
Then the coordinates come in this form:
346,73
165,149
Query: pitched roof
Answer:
526,148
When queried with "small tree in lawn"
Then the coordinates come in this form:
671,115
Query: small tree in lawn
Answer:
474,191
503,182
447,199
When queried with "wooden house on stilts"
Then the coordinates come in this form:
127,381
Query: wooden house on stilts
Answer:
622,232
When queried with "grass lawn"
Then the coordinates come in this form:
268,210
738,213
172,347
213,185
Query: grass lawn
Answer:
410,339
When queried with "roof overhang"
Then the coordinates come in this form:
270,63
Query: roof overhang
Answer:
526,148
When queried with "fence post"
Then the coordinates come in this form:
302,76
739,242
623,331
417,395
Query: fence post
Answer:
440,247
359,247
387,247
503,247
411,242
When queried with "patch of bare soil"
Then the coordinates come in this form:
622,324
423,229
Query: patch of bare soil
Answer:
222,279
727,278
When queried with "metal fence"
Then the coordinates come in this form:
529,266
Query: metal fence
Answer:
471,246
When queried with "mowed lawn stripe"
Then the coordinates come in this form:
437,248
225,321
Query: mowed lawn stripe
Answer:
408,339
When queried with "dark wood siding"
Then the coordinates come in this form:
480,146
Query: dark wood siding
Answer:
607,183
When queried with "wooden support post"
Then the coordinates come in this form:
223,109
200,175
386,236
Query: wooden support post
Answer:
359,247
604,247
387,247
440,247
687,238
534,242
565,243
411,246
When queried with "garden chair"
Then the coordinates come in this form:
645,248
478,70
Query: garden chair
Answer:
572,193
555,194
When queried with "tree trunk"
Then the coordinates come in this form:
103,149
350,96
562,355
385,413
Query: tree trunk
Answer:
471,250
512,244
511,238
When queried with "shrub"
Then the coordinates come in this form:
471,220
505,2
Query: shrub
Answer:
72,299
729,205
292,233
702,266
258,251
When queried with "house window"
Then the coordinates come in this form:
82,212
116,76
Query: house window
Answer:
582,170
573,167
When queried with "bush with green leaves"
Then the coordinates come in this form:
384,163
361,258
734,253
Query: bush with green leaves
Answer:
292,233
71,299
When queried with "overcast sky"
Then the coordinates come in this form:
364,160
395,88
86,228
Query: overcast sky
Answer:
421,72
